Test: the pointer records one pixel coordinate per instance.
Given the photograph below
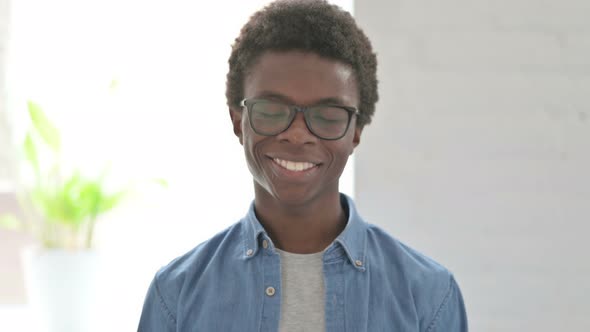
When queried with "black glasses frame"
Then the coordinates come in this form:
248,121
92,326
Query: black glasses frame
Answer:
248,103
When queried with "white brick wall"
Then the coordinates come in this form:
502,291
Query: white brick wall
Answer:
480,149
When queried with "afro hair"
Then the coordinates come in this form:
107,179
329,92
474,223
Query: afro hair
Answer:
310,26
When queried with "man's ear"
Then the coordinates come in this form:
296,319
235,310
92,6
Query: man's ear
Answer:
357,138
236,119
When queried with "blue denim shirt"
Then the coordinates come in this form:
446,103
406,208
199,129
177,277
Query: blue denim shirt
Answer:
373,282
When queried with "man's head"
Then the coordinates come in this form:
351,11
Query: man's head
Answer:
312,26
301,86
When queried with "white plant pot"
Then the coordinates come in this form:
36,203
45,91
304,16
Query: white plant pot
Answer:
62,288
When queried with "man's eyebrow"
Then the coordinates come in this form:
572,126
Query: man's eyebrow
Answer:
330,100
274,96
285,99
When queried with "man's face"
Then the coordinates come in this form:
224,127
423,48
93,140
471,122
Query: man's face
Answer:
302,79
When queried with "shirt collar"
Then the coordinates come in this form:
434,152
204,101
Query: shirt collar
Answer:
353,238
351,242
251,233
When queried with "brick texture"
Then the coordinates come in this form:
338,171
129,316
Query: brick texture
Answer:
479,151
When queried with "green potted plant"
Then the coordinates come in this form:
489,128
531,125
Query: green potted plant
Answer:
60,208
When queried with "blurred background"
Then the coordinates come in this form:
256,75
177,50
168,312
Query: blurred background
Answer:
478,154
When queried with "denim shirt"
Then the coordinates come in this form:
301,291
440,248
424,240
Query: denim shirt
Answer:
373,282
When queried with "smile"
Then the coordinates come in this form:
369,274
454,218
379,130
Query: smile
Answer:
293,165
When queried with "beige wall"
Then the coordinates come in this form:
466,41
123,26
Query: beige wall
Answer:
480,150
11,287
4,132
11,281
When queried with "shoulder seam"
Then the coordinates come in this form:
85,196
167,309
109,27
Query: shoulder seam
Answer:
162,303
443,304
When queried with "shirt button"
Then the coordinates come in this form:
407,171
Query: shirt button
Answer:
270,291
265,244
249,252
358,263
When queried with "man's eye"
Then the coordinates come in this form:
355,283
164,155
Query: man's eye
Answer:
326,119
269,115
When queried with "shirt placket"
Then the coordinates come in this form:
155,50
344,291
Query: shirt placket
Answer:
271,291
334,284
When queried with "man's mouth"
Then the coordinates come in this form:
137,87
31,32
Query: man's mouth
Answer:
294,166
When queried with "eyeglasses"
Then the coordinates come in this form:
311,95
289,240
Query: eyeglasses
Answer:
269,118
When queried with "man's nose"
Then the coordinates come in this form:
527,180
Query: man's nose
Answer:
298,133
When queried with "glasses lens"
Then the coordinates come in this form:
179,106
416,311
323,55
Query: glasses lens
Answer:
327,121
269,118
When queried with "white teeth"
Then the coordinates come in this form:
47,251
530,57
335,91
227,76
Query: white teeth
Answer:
294,166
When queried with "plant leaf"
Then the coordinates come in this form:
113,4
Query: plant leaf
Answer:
44,127
31,152
75,202
9,221
91,196
111,201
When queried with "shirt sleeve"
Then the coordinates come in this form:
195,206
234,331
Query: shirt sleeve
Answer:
155,316
451,316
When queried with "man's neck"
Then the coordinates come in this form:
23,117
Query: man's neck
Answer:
303,229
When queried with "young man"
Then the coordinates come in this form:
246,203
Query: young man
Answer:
301,87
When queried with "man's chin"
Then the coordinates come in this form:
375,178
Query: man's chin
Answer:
294,198
289,197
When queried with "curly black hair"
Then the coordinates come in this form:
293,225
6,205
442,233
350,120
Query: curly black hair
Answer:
311,26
